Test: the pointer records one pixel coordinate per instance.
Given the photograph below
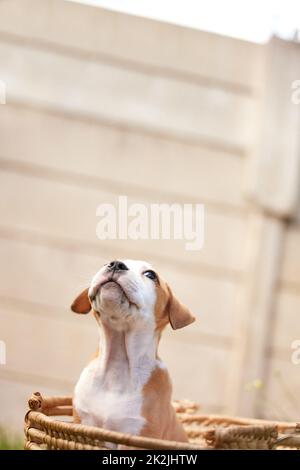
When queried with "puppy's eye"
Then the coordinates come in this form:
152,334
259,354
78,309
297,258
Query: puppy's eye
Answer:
151,274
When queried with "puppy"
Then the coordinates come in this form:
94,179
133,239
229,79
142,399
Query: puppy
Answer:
126,387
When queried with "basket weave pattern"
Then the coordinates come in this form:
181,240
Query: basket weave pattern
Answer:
43,430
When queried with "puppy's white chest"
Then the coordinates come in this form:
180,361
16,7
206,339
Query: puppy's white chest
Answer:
100,402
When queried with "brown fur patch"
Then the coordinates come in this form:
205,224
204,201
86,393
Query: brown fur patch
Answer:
162,298
161,420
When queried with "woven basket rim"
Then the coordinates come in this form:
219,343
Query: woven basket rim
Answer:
93,432
40,420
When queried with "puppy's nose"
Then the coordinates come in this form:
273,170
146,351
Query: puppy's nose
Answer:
117,266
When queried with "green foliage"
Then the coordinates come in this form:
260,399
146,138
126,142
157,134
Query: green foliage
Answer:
10,441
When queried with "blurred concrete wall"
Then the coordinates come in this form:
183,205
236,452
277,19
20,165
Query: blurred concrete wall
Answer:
101,104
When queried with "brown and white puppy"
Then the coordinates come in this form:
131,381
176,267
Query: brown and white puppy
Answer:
126,387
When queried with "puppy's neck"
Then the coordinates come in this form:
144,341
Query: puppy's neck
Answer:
132,352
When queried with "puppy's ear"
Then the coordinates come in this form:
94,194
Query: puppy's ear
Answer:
82,303
179,314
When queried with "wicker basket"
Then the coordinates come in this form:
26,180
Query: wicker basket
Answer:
44,431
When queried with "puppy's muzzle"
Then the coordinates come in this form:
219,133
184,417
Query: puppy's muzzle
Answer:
114,267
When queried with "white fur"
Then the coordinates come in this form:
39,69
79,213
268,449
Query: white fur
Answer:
109,390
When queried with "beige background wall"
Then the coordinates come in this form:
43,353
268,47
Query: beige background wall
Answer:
101,104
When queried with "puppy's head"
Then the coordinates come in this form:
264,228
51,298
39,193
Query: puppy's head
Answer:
129,293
